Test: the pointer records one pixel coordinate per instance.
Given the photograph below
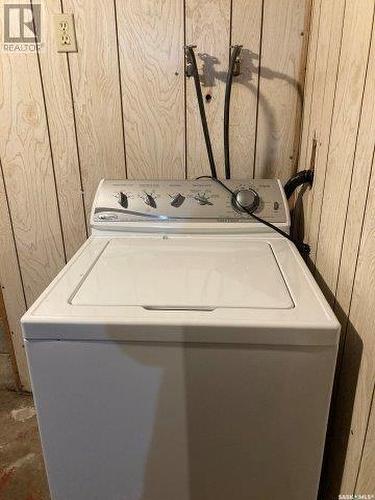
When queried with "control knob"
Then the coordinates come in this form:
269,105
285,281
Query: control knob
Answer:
203,199
177,200
150,200
246,200
123,200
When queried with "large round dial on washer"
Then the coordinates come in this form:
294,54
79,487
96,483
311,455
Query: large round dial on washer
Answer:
246,200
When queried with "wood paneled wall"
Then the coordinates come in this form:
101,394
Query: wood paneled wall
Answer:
338,213
121,107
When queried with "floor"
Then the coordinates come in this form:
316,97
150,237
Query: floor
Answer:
22,472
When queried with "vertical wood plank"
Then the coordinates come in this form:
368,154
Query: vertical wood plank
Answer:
350,84
96,93
366,477
151,40
341,116
358,190
208,27
310,80
11,285
321,86
55,75
28,172
360,335
9,376
351,342
246,31
281,87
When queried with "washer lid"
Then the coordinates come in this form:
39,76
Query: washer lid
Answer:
191,274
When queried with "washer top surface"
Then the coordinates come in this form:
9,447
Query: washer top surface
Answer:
169,274
179,261
216,288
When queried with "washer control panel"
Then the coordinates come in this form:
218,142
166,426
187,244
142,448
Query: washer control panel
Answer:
202,200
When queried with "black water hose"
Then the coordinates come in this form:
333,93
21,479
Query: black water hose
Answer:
228,89
193,68
300,178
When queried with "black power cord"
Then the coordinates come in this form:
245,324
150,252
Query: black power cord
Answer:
303,248
192,70
228,89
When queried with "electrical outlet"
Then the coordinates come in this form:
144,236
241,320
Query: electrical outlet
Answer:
65,33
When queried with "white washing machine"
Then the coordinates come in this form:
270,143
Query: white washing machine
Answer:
184,353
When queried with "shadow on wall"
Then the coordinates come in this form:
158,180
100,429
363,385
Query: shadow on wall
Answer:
345,386
346,377
249,78
249,72
344,391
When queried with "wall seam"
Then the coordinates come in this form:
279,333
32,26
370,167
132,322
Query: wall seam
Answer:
260,48
120,85
372,172
9,342
365,439
77,147
330,132
345,329
313,3
307,43
76,134
50,145
230,30
354,158
13,233
185,93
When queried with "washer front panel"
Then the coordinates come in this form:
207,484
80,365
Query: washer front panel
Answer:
181,200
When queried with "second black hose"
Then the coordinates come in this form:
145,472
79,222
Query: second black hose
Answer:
228,89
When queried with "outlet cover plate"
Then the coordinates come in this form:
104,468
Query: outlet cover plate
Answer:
65,33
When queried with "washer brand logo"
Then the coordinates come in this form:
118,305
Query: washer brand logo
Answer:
22,27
